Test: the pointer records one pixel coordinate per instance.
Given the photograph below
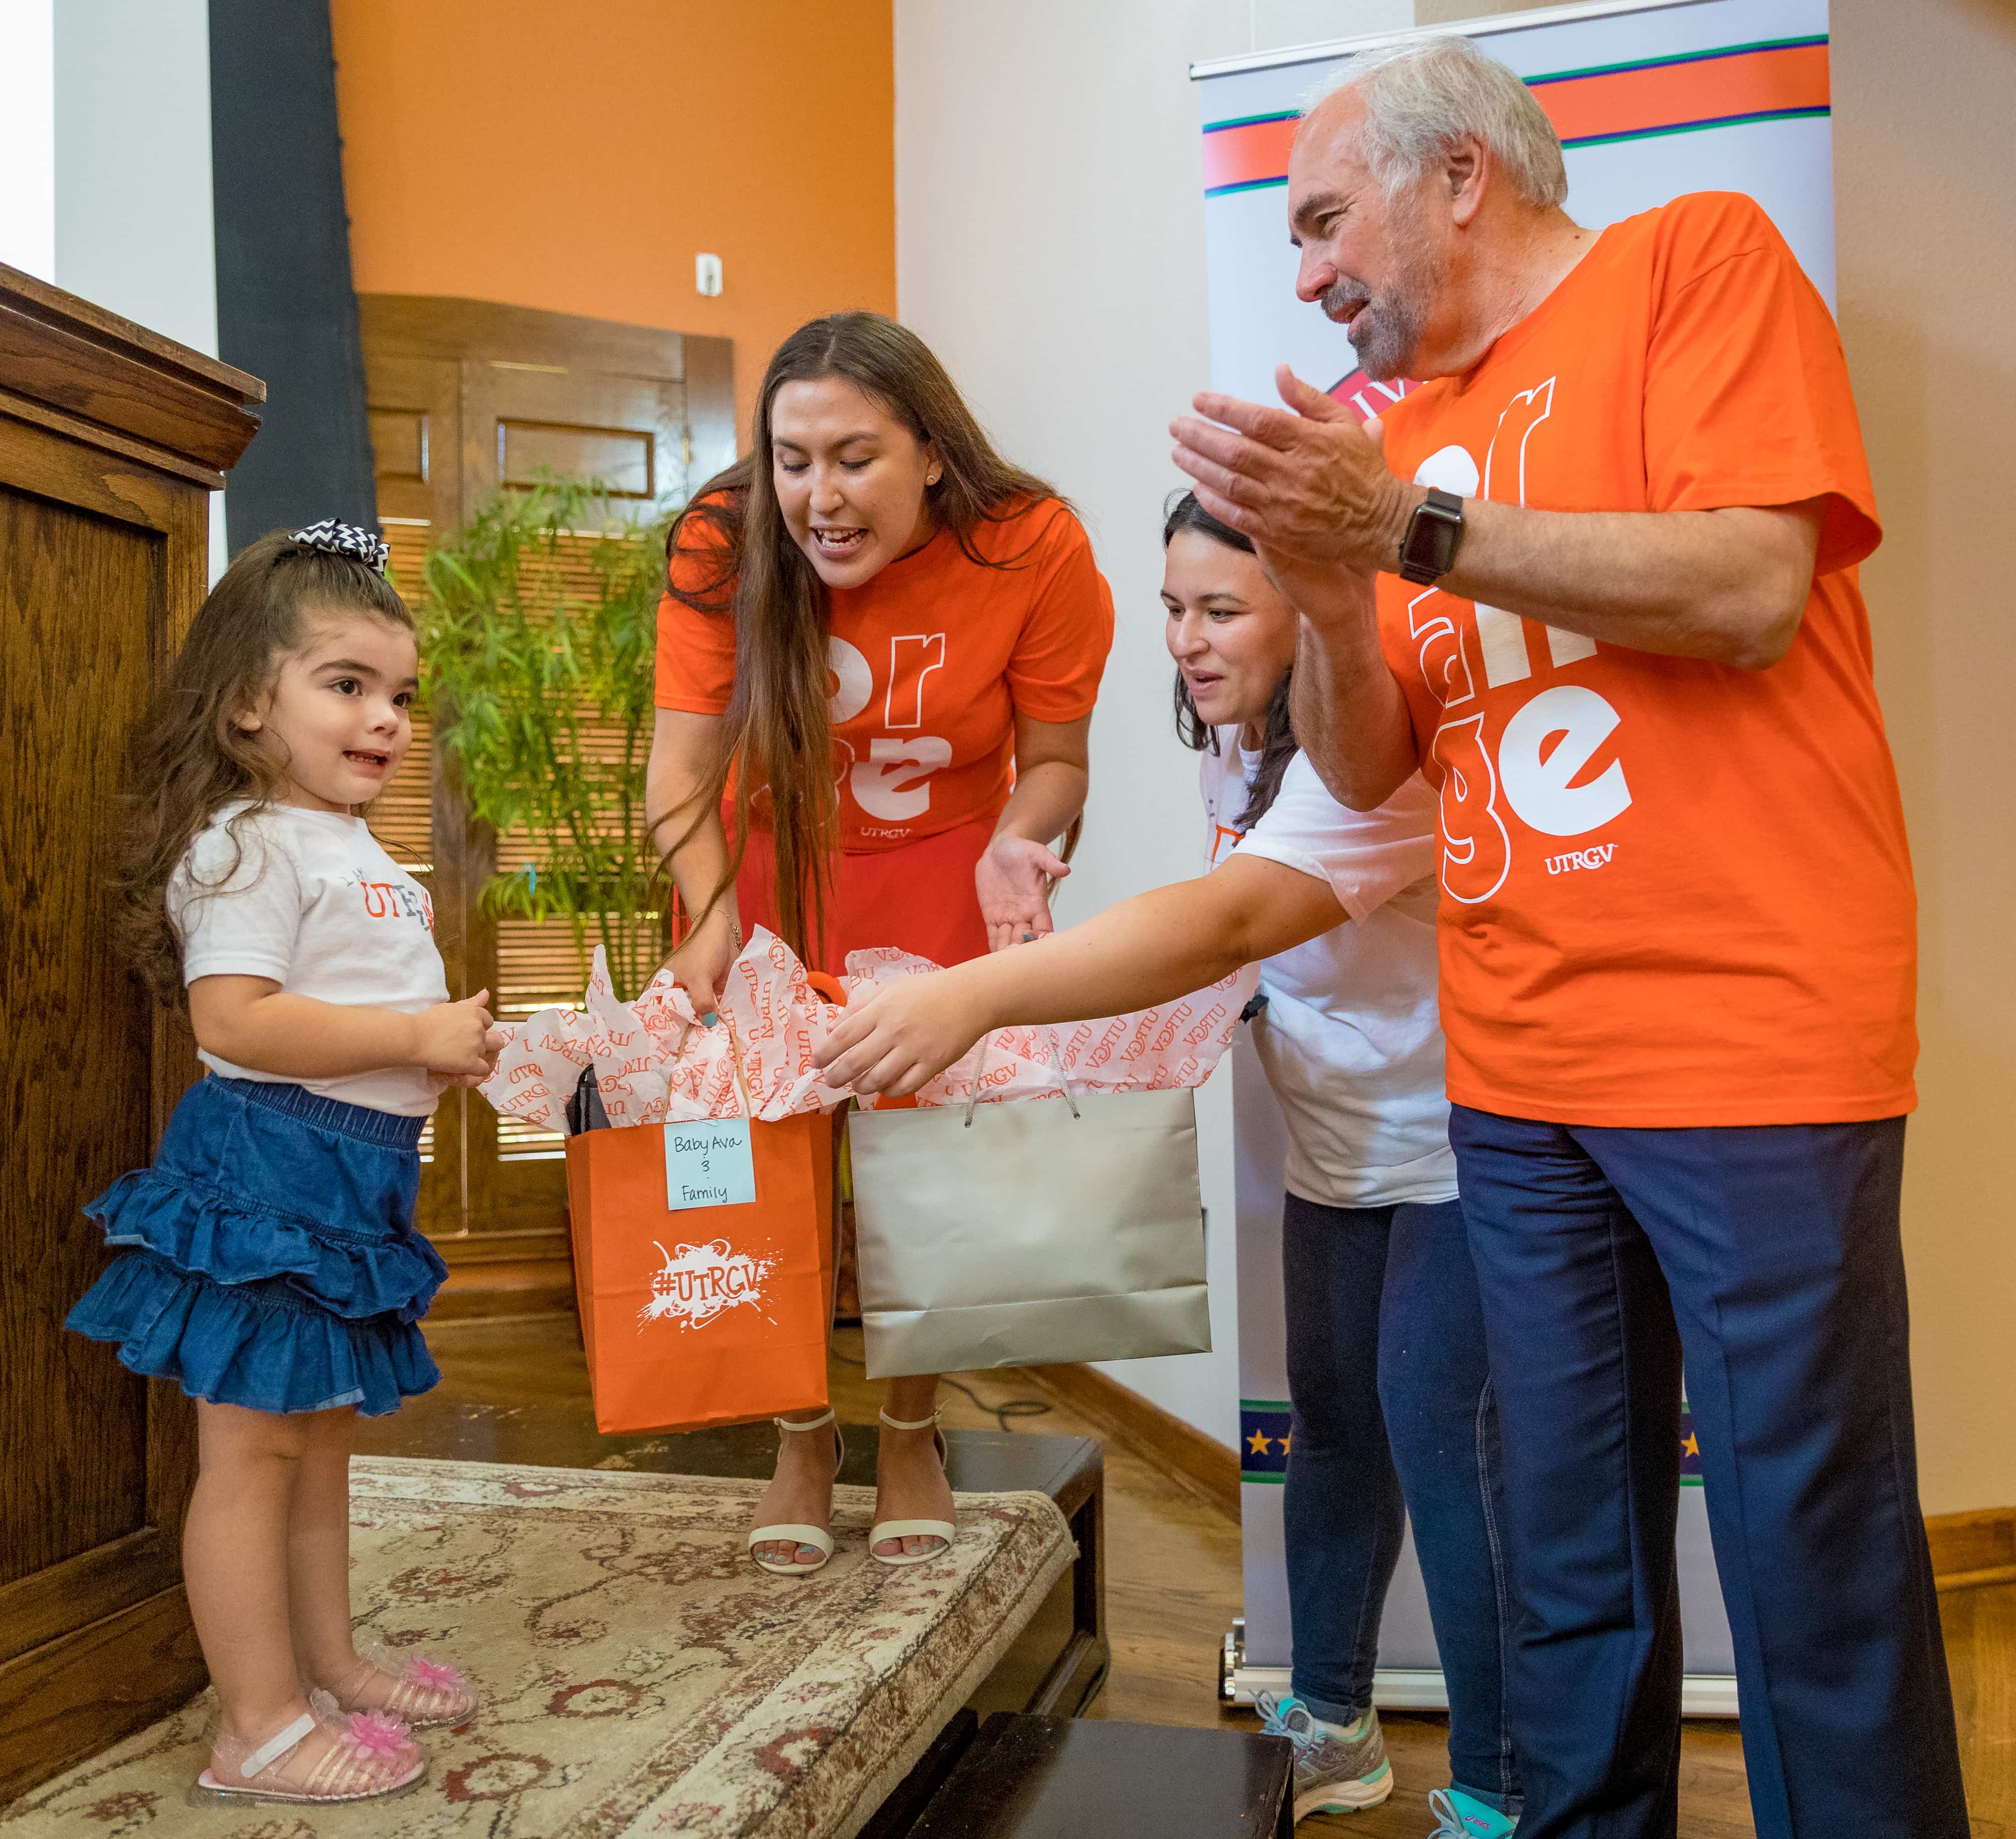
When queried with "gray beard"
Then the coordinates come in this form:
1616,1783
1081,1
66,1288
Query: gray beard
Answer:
1386,333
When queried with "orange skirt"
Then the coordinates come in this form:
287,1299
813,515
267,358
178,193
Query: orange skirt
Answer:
918,898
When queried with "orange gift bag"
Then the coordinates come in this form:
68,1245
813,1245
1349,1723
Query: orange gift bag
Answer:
703,1268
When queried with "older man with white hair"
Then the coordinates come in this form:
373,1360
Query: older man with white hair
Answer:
1597,580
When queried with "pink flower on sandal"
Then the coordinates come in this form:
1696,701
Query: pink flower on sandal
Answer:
383,1738
427,1693
424,1671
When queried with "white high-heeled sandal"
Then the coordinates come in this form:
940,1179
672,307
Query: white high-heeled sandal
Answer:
902,1529
815,1536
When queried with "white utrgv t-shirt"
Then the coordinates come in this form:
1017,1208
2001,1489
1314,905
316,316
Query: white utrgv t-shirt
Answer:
316,904
1352,1037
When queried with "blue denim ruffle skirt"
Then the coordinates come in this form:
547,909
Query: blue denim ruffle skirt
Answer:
268,1257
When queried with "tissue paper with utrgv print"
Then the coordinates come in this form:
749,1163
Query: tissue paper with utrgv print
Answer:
1159,1049
655,1063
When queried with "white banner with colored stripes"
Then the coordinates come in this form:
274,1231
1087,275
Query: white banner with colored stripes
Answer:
1651,100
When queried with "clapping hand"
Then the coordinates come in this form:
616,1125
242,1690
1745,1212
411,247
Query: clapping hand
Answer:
1306,482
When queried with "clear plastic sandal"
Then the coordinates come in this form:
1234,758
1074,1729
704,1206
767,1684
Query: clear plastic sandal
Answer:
369,1755
426,1694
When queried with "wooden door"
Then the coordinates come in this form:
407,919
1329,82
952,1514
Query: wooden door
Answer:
415,421
110,440
468,399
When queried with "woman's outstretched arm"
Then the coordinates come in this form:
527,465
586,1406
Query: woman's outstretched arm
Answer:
1159,945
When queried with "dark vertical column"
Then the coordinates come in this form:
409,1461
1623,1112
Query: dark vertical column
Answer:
286,311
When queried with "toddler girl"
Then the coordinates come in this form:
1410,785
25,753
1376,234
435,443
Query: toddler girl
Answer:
269,1262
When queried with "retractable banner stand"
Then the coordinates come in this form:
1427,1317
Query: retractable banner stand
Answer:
1651,100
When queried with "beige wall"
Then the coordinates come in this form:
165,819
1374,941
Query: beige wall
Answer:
1925,209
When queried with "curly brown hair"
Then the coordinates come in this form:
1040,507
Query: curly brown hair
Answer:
776,726
187,758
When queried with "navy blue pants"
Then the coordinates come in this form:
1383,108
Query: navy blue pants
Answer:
1764,1264
1390,1399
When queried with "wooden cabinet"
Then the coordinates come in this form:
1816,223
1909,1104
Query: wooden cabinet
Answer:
112,440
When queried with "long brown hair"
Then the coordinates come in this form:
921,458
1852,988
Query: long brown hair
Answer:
187,758
1277,743
777,736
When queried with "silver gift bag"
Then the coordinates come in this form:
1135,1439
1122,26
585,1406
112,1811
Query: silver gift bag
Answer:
1027,1233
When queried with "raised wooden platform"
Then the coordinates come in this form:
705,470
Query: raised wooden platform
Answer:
1059,1662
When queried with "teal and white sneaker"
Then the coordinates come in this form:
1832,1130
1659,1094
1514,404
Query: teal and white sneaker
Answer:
1463,1818
1339,1768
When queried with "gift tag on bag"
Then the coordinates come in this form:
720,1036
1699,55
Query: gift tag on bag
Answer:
709,1163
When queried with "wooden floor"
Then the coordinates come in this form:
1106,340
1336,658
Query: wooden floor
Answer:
1173,1587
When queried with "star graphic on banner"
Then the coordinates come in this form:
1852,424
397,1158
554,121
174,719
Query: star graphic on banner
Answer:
1284,1444
1691,1446
1257,1443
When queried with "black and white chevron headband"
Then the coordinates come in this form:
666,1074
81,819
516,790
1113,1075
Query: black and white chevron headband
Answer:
334,538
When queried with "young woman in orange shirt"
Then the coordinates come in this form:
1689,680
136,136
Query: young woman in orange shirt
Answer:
877,657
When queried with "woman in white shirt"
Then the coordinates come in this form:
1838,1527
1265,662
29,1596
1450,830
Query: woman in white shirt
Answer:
1385,1335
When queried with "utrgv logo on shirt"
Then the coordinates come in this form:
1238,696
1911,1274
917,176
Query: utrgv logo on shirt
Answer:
893,782
698,1282
1545,743
394,900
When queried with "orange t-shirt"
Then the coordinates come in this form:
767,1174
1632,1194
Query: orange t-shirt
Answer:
932,660
1673,892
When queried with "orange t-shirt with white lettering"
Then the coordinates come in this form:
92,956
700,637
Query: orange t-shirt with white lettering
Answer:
1674,893
932,659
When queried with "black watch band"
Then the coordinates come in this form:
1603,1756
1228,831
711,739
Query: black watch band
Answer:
1428,550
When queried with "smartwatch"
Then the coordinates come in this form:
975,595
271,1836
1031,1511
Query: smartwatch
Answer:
1428,551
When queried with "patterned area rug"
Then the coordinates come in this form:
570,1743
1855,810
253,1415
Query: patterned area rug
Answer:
640,1676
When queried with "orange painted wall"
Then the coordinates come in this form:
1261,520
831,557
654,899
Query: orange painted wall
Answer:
577,158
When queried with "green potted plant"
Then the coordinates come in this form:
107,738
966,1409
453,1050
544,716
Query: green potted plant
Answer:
538,627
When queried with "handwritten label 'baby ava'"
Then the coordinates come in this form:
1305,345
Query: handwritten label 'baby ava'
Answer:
698,1282
708,1164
